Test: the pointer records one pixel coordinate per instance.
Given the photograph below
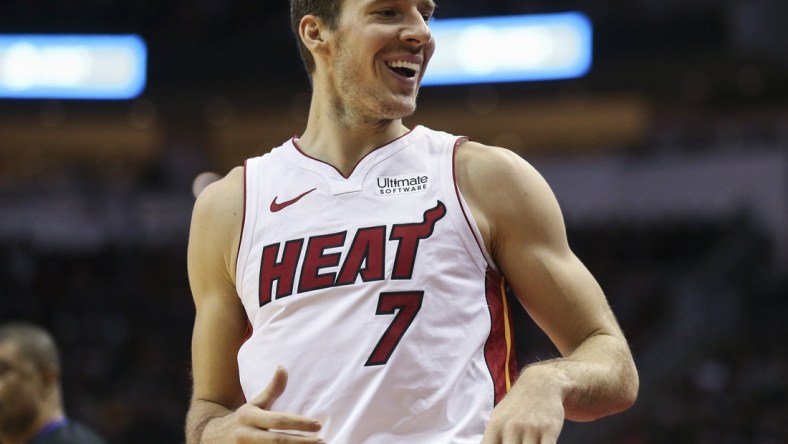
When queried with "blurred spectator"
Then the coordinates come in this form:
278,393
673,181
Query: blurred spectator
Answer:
31,401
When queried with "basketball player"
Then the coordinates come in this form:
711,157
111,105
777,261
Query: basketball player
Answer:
349,285
31,407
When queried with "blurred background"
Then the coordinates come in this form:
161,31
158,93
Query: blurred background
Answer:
670,160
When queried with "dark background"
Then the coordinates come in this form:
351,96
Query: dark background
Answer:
669,159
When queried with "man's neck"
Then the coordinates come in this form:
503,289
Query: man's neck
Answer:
341,134
50,413
38,426
342,145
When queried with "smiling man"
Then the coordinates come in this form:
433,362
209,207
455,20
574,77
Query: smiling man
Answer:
350,285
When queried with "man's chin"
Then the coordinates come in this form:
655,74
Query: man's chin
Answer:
404,108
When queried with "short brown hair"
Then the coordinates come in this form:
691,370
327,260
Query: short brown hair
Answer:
327,10
33,343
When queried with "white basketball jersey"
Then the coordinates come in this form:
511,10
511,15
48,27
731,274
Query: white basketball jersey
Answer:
375,293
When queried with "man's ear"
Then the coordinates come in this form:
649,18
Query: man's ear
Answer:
48,382
50,378
313,33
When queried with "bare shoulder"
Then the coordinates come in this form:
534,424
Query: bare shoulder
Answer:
222,197
498,178
483,168
216,225
504,191
219,207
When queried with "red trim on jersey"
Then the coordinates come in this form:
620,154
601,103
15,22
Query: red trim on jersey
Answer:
298,148
243,222
249,330
249,326
499,350
249,333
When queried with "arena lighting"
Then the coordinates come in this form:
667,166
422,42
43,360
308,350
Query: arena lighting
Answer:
98,67
510,49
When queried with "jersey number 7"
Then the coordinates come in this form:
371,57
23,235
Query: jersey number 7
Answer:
404,305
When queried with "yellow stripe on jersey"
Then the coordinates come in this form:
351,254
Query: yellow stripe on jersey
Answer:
507,334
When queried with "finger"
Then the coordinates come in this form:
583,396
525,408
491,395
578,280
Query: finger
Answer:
289,421
266,419
549,437
277,437
257,419
521,434
490,437
293,439
535,437
273,391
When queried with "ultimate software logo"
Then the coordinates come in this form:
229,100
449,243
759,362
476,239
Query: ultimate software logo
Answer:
388,186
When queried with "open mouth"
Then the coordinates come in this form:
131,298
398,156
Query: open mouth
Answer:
405,69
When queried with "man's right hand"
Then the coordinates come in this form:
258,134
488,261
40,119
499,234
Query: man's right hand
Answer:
254,422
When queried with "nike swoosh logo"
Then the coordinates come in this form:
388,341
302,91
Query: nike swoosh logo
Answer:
279,206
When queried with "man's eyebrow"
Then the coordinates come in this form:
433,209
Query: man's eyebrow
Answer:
430,4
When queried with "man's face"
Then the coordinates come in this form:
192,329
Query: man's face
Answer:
21,386
380,52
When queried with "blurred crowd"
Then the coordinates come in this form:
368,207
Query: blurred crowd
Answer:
122,318
704,306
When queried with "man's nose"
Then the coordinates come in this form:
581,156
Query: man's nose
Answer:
416,30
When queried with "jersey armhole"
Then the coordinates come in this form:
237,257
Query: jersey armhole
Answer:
476,245
240,257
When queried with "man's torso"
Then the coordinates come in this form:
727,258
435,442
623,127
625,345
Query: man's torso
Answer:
373,292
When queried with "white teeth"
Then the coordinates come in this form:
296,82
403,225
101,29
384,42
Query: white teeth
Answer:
404,64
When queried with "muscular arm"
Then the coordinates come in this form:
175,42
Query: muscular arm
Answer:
524,231
220,324
217,412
